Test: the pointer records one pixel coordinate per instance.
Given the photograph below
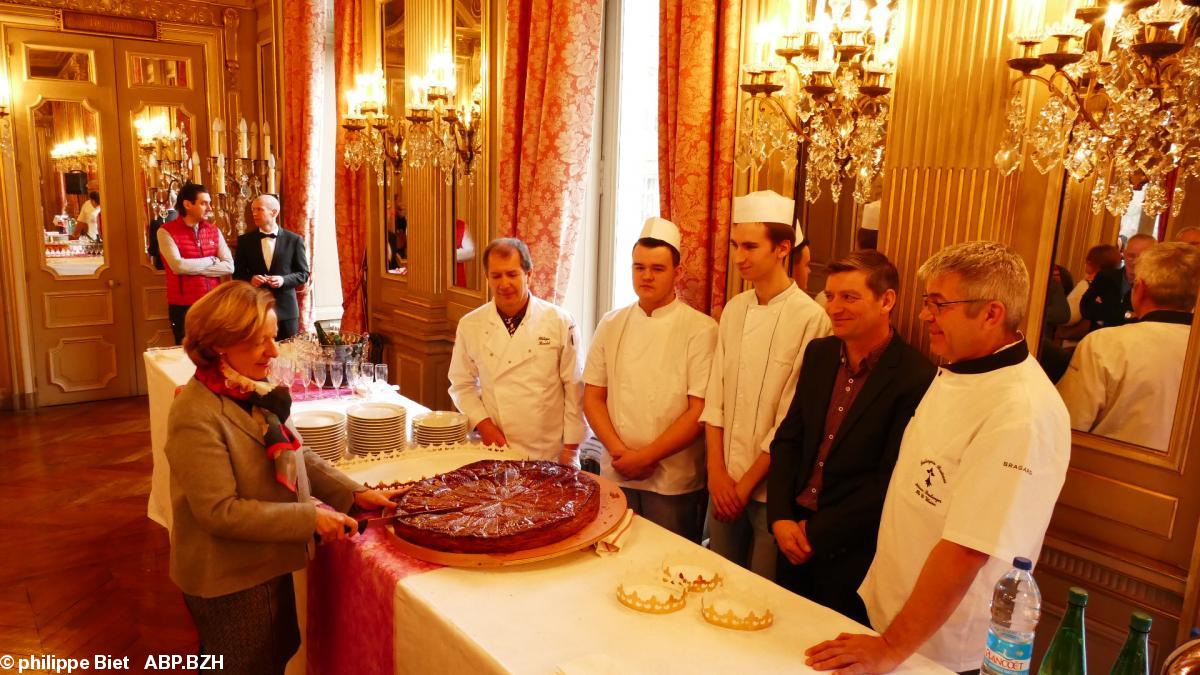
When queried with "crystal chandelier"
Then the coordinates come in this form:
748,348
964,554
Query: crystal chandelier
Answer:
821,94
77,154
434,132
166,165
1123,105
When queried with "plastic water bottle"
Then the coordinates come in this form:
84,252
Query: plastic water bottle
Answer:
1016,607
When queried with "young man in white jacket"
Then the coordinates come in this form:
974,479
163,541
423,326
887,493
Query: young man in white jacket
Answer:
760,345
515,369
645,382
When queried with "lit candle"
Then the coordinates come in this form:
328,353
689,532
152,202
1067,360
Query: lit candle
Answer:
794,19
271,174
219,175
242,142
266,140
218,147
1111,17
196,167
253,142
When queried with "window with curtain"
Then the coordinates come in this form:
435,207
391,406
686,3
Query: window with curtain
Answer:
629,180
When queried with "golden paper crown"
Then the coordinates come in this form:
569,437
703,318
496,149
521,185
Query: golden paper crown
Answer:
652,598
697,578
737,615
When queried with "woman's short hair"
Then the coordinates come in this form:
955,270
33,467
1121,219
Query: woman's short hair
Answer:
231,313
882,275
988,270
1171,273
1104,257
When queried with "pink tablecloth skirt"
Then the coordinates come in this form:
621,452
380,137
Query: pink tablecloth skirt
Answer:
351,603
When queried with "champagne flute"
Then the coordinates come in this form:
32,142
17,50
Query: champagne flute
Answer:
319,377
381,373
335,375
353,376
306,369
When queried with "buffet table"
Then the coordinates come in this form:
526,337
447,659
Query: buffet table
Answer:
544,617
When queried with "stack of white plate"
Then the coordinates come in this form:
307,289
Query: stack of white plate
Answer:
439,428
376,427
322,430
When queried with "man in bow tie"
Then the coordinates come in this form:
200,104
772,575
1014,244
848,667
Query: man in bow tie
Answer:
273,258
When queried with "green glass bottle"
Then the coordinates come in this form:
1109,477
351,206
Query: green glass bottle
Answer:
1067,654
1134,658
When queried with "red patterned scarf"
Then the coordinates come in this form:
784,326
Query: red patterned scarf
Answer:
276,406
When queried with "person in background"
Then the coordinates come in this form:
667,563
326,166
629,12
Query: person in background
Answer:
1106,302
644,387
194,252
464,251
833,454
1189,235
89,215
242,484
514,371
760,345
979,470
273,258
1124,383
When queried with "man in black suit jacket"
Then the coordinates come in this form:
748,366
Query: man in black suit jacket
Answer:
273,258
832,456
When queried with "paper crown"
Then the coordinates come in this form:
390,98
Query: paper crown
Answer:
766,206
663,230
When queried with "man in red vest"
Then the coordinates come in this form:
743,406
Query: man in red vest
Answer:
194,252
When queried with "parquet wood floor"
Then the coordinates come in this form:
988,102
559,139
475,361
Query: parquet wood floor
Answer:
83,571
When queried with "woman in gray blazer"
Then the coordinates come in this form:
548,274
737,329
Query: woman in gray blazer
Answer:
241,487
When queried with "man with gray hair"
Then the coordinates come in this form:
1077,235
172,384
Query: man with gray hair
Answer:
1123,382
273,258
978,473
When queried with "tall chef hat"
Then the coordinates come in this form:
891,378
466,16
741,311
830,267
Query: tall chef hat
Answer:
766,206
662,230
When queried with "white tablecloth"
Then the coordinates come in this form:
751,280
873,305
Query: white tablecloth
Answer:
168,369
535,618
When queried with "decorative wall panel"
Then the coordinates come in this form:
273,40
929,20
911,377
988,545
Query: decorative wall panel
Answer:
154,303
72,309
80,364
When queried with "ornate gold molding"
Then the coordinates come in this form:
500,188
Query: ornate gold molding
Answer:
180,11
1098,576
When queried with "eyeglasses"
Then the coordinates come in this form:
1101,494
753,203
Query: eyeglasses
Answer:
935,308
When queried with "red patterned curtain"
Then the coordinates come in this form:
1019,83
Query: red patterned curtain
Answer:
550,78
350,190
697,125
303,73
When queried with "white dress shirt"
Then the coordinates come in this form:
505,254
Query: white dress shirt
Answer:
650,365
755,367
268,245
981,465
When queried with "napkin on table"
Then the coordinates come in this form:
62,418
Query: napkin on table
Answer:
613,542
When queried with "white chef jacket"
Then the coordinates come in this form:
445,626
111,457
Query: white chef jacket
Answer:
981,464
1123,381
528,383
650,365
755,367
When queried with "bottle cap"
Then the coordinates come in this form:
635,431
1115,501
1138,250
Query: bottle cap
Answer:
1077,596
1022,564
1141,622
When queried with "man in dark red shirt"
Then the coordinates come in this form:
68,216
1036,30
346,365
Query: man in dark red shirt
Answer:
833,454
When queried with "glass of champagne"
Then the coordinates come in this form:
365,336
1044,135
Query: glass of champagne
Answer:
306,370
353,376
335,376
319,377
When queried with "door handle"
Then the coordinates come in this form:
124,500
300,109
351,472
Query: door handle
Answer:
113,283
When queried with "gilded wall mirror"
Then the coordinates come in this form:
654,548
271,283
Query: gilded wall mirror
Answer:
1097,328
164,139
468,192
395,219
67,152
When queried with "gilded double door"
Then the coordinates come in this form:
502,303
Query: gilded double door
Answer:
85,109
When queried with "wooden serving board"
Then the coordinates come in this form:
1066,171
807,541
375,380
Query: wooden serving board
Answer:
612,508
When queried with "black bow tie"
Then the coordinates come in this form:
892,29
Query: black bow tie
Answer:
265,235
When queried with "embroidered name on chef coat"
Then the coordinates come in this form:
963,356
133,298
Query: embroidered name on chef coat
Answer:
932,482
542,340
